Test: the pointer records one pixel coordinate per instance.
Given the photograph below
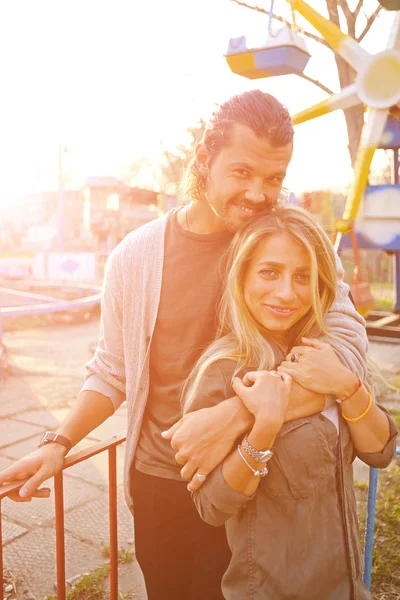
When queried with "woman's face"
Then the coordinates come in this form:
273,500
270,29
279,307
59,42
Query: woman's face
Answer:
277,287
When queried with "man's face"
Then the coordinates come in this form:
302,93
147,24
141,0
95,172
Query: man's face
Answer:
246,177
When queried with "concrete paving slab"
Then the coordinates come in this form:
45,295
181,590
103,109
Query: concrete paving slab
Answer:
92,524
16,396
11,430
130,581
11,531
95,469
5,462
21,448
41,510
33,556
47,418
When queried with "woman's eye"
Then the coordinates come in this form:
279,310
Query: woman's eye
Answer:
303,278
268,272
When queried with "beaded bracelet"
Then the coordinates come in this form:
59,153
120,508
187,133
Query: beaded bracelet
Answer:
257,473
355,419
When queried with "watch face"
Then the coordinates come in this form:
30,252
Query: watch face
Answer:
266,455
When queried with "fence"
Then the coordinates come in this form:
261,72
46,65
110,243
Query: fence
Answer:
111,446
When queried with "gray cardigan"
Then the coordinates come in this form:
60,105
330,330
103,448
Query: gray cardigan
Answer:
119,368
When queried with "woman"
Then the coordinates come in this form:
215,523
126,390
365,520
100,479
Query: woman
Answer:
286,491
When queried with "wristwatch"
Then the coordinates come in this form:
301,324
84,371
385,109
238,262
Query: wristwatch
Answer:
259,455
50,436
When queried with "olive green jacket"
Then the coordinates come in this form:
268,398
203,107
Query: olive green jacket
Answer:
297,537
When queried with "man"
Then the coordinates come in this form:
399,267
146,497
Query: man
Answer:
160,293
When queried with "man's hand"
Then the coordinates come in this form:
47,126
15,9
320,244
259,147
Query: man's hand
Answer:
204,438
37,467
318,368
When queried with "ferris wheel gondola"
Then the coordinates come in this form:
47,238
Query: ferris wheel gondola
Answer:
284,53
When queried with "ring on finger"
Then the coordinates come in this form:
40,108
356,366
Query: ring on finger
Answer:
295,358
200,477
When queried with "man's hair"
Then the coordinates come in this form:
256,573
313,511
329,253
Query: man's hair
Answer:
261,112
240,337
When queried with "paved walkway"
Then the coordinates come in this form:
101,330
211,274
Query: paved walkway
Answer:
48,367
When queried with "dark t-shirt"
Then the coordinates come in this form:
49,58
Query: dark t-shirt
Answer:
193,275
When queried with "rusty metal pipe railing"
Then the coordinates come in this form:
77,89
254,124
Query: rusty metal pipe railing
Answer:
60,534
112,509
110,445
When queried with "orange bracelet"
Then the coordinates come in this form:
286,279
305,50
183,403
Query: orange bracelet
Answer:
358,385
355,419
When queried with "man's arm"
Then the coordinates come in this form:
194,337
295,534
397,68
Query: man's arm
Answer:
101,394
90,411
202,439
346,330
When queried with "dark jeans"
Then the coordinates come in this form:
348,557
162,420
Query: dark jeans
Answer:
182,558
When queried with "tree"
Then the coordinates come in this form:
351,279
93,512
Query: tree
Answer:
358,25
175,161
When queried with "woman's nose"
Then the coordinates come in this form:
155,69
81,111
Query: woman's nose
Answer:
285,290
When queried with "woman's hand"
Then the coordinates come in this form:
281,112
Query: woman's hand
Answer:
265,394
319,369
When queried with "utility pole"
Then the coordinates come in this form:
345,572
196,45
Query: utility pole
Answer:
60,199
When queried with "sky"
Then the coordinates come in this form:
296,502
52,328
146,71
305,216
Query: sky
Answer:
115,80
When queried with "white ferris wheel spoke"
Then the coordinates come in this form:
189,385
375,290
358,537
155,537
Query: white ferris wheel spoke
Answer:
394,35
370,138
347,98
341,43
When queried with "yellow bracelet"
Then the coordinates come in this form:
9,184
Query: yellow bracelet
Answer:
354,420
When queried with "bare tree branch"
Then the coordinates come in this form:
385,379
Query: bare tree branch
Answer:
316,38
346,10
315,82
358,8
369,24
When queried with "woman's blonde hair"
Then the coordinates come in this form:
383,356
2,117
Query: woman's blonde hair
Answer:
240,337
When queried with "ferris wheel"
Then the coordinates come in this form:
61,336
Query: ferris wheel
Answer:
377,84
376,87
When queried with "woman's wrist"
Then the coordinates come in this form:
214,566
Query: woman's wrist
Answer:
263,434
347,384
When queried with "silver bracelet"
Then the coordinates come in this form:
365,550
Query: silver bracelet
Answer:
258,455
256,473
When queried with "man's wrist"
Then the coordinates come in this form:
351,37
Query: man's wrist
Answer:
54,448
241,420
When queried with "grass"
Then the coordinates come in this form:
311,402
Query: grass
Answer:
88,587
124,556
384,296
91,585
386,555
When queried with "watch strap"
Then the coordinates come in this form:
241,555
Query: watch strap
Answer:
259,455
51,436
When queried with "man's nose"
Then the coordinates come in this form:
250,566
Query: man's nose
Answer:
255,192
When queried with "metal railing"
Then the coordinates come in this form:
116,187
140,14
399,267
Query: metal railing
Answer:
109,445
370,524
36,304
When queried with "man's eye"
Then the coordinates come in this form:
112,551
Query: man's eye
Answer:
276,180
242,172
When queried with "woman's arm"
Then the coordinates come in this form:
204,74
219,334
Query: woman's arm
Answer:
370,433
229,487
